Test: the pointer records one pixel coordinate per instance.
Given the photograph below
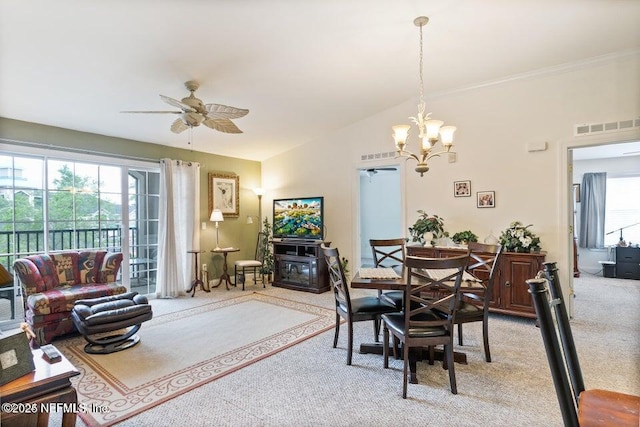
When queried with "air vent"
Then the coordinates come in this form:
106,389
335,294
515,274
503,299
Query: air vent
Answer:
378,156
591,128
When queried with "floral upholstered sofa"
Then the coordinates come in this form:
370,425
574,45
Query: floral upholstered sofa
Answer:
51,283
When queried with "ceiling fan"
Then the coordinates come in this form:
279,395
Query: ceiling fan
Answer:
194,112
373,171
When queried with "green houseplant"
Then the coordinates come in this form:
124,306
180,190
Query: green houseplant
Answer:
464,237
518,238
267,262
427,224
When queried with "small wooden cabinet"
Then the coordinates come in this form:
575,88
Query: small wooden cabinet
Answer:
510,292
300,265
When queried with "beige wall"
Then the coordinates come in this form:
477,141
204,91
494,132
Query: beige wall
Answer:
233,232
495,125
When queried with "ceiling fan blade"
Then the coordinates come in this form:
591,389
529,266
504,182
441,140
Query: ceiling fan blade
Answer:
177,104
222,125
154,112
179,126
219,111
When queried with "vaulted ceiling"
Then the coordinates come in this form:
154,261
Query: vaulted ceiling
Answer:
302,68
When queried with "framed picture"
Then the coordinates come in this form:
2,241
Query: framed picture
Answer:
486,199
16,358
462,188
576,193
224,194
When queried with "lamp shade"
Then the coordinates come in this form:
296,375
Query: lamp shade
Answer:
249,220
259,191
216,216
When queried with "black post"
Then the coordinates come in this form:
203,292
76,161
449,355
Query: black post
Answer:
539,294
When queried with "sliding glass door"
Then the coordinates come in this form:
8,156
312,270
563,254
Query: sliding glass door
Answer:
49,203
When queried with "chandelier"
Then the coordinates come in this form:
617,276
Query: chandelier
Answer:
430,131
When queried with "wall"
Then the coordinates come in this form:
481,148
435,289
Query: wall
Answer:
233,231
619,166
495,124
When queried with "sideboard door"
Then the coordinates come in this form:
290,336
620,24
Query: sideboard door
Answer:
516,269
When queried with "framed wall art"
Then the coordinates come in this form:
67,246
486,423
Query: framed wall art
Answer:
16,358
224,194
462,188
486,199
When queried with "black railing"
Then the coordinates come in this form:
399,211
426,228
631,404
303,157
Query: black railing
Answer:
29,242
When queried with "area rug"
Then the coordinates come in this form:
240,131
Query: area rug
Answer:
184,350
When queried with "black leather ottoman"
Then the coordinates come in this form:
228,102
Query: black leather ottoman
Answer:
107,314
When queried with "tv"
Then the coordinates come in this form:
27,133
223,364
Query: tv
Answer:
298,218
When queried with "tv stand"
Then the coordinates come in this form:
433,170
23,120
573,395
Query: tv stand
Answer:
300,265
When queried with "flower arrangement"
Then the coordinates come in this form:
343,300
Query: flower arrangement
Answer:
427,224
518,238
464,237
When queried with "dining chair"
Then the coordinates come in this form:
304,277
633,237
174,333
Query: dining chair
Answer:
368,308
389,253
578,406
251,264
476,296
431,283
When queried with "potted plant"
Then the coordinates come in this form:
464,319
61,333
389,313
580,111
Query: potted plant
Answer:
427,224
518,238
464,237
267,261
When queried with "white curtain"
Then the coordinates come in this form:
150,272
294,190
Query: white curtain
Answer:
178,231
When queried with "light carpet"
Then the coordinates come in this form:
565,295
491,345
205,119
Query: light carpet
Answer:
184,350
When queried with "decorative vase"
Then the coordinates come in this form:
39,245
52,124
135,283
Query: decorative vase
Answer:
428,238
491,239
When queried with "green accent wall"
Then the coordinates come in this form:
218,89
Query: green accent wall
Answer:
233,231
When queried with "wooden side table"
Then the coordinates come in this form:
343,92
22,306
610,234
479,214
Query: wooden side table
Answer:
198,280
48,383
224,277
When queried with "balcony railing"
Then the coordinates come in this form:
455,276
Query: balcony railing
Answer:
24,243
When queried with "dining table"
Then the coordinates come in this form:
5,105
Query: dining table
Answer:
396,279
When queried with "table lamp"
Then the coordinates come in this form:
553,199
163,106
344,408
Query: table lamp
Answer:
216,216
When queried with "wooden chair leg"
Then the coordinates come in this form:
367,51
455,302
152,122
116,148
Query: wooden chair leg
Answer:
376,329
485,337
452,368
350,343
405,370
385,346
460,333
335,337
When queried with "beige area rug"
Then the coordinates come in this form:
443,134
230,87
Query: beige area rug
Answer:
184,350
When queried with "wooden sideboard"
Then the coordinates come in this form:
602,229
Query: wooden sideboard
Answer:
510,294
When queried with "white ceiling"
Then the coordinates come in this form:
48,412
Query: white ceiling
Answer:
302,67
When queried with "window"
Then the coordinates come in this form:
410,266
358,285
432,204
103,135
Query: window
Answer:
51,203
622,210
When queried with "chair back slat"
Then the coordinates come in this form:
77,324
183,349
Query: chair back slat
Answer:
388,252
538,288
337,277
427,293
564,330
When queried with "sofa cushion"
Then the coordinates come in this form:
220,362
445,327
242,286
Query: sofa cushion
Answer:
63,298
47,270
89,263
29,275
110,266
66,268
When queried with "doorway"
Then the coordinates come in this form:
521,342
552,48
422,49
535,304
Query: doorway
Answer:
380,207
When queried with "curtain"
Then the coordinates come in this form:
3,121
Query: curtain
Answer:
592,209
178,231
